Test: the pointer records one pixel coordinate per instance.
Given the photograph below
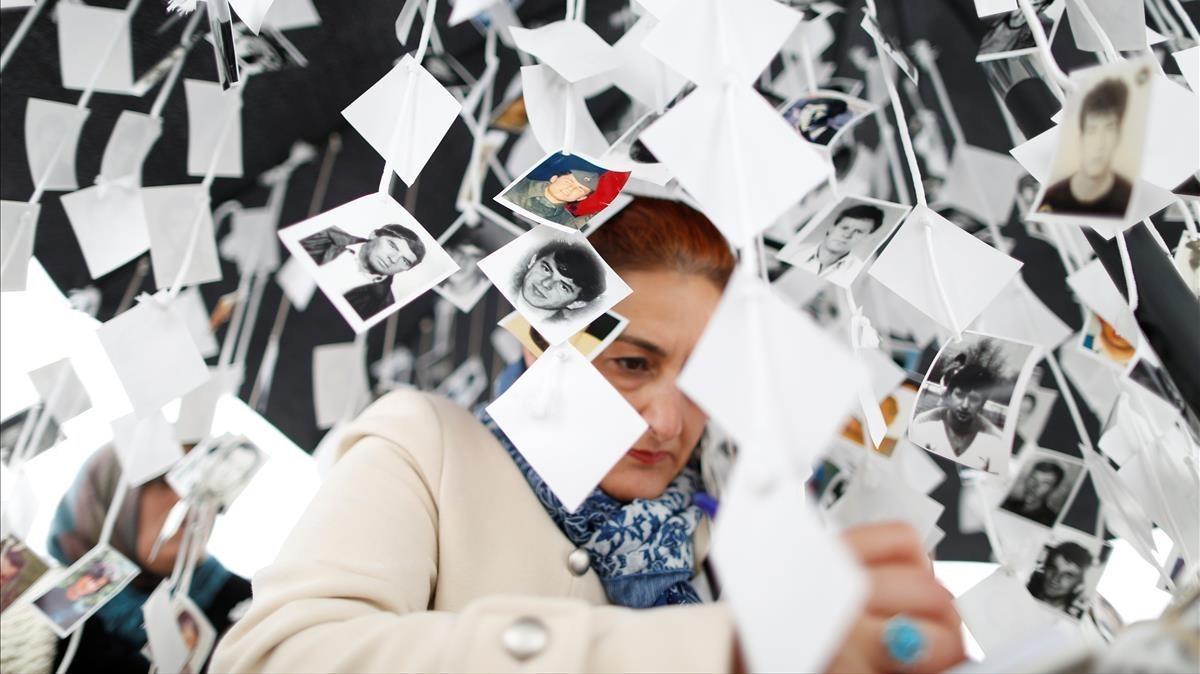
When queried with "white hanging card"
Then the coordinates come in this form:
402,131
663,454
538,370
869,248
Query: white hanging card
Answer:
18,225
51,140
571,48
340,386
546,102
568,422
210,109
1017,313
174,215
252,12
133,136
404,120
59,388
109,224
640,75
91,38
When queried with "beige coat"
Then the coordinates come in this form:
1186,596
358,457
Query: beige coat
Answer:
426,550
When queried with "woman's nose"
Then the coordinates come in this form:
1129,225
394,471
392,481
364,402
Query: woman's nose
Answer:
664,414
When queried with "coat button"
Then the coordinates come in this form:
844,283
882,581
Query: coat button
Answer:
525,638
578,561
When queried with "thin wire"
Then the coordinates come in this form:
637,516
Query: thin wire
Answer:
1186,20
1059,79
20,33
1127,268
902,125
1069,398
185,41
1106,44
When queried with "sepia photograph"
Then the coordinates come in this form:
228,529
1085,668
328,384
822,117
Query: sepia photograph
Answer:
1099,154
564,191
967,405
370,257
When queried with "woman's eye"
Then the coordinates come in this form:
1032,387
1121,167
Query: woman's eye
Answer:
632,364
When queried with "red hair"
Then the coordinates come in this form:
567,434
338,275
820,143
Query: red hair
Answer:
657,234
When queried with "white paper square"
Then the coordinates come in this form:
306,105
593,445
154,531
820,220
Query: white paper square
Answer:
292,14
989,7
1036,154
110,225
1017,313
1172,134
147,447
517,268
252,12
59,388
640,75
545,104
199,406
252,241
408,131
742,373
689,38
1188,61
162,631
972,272
171,220
153,355
342,277
1094,288
189,306
340,388
210,109
133,136
745,171
982,182
568,422
49,125
1123,22
296,283
571,48
773,555
18,226
86,37
999,611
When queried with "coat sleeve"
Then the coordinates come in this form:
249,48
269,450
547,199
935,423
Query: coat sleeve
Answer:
351,588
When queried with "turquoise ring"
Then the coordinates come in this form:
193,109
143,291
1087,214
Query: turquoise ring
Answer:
903,640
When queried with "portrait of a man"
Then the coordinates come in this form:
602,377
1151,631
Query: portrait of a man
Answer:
1031,497
563,190
832,251
1061,581
1096,188
557,279
841,238
957,427
388,250
467,245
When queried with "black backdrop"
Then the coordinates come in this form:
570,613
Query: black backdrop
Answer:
355,46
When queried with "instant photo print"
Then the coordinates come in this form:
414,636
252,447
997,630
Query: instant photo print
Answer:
967,406
1096,166
821,117
1101,342
86,587
20,568
1044,487
563,191
839,241
369,257
556,280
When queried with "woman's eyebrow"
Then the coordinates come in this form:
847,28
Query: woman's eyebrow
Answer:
643,344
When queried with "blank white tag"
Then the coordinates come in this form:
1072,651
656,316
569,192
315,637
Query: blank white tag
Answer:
110,225
132,139
291,14
982,182
86,37
1017,314
171,219
568,422
1123,22
546,100
198,408
18,225
340,388
153,355
571,48
189,307
162,630
252,12
146,447
407,130
643,77
210,109
296,283
999,611
49,125
60,389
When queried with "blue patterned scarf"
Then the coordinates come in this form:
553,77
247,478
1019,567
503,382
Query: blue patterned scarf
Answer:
642,550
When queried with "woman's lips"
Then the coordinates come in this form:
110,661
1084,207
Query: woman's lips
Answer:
647,457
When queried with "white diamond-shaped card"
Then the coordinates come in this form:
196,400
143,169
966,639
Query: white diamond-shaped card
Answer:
708,41
745,171
1123,22
640,75
743,371
153,355
175,214
1095,289
568,422
132,138
61,390
1172,134
292,14
546,100
252,12
773,555
109,224
146,447
571,48
550,276
51,140
982,182
972,272
408,130
18,225
340,386
214,129
1188,61
91,39
1017,313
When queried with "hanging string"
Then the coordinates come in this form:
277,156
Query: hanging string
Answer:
406,103
1186,19
22,30
1059,82
1069,398
1127,267
185,43
1110,52
901,123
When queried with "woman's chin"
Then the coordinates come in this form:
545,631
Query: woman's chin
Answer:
629,482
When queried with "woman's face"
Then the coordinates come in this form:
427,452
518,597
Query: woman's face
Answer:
667,312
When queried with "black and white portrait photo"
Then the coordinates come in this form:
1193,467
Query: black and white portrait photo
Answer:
1043,487
1036,404
1067,573
88,585
555,279
821,116
839,240
467,244
1100,150
966,407
217,473
369,257
1009,36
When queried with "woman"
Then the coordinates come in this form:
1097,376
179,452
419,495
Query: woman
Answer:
114,636
433,547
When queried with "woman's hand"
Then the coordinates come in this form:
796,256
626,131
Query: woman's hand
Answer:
901,581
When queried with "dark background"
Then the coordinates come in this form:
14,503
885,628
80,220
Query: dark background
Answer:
355,46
